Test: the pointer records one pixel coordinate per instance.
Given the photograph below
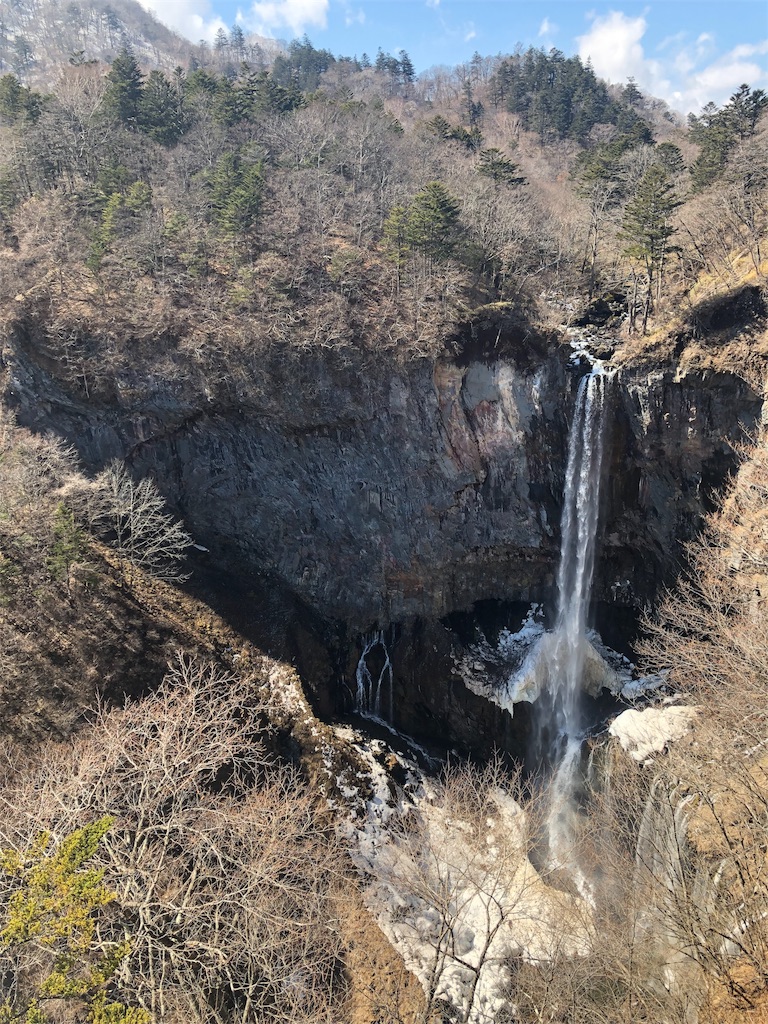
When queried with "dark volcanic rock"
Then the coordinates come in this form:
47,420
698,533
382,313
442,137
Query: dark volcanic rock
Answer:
376,491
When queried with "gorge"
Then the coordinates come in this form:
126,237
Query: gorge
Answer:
411,496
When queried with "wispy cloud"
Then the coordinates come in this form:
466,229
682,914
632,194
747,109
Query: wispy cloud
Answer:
268,16
192,19
547,28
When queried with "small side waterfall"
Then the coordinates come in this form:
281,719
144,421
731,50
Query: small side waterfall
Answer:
371,692
559,709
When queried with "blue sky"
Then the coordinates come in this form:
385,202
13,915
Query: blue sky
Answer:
685,51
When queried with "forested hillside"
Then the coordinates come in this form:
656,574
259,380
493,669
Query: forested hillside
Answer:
326,203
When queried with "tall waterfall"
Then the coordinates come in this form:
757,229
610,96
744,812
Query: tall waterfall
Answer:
559,713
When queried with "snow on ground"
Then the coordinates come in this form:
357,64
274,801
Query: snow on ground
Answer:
452,888
645,733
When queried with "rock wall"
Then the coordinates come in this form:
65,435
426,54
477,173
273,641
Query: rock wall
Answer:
375,497
384,492
345,492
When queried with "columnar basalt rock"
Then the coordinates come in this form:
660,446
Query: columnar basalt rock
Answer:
353,493
382,491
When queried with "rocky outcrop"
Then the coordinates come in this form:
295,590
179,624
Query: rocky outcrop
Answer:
370,492
384,493
674,438
376,494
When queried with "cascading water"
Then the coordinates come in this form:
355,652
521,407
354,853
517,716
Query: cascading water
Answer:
559,708
369,691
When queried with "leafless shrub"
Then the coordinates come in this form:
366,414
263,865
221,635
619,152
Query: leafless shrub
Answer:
145,536
226,879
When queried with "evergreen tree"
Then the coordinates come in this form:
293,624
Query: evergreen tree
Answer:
17,102
494,165
439,126
126,88
670,158
396,239
647,229
236,188
744,110
237,42
631,94
718,131
433,222
407,70
160,114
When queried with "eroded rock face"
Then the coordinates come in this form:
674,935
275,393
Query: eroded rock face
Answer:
672,451
376,498
384,493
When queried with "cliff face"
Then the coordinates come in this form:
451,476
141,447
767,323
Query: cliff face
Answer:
399,493
381,494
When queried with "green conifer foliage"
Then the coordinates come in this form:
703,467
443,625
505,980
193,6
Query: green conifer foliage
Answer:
718,131
126,88
494,165
160,112
236,188
51,901
433,221
647,229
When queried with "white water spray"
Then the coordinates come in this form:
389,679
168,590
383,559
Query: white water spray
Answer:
560,712
369,691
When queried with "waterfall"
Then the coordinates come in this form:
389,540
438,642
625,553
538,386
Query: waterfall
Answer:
559,710
369,691
581,508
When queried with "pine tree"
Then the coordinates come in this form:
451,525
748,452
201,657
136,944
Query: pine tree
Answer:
407,70
494,165
160,113
433,222
126,88
718,131
235,194
631,94
237,42
396,239
647,229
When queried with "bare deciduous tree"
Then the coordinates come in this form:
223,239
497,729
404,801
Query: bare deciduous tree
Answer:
227,880
145,535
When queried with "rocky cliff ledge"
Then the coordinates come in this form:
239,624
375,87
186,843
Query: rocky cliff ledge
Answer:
379,491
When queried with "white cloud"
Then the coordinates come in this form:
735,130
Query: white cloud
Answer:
267,16
667,41
685,76
718,81
547,28
470,33
433,3
614,46
750,50
192,19
354,17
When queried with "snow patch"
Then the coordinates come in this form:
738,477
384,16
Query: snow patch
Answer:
645,733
